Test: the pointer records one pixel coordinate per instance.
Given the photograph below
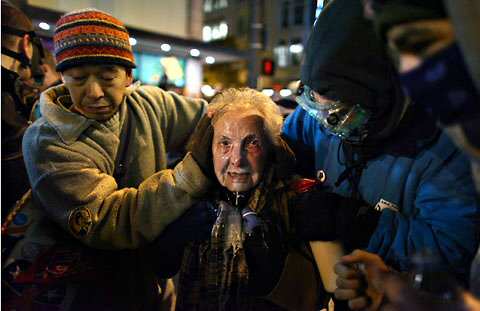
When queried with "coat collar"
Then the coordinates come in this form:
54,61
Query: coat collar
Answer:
68,125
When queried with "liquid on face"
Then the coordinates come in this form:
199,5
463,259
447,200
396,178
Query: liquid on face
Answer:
239,150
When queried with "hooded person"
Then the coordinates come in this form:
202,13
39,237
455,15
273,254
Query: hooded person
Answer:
435,56
356,129
433,45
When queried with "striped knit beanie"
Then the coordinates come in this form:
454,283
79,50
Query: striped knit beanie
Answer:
90,36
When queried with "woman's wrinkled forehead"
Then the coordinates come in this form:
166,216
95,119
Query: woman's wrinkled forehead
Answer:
238,121
233,114
235,109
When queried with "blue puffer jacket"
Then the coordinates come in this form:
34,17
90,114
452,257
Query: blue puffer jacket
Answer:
430,198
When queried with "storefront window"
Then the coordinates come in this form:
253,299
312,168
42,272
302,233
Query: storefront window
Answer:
296,51
285,14
282,55
151,69
298,12
207,6
212,5
215,31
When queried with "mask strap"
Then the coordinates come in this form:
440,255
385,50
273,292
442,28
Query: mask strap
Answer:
300,89
37,55
15,31
20,57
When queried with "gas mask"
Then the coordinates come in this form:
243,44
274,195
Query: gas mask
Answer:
345,121
37,56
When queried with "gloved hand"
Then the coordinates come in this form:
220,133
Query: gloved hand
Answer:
195,225
166,253
325,216
200,145
314,216
264,250
355,222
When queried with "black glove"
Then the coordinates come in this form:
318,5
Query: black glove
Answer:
314,216
355,222
325,216
264,251
167,250
194,225
200,145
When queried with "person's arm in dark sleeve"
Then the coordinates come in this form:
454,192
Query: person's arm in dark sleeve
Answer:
324,216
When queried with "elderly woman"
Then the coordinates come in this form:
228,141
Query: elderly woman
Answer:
251,260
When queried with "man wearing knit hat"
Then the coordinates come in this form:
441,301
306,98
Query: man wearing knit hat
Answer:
96,160
369,143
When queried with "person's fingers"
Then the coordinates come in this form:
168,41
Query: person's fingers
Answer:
345,294
357,256
204,124
368,263
210,112
349,283
359,303
203,128
360,256
346,271
394,288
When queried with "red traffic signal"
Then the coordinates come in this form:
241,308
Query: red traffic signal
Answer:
268,67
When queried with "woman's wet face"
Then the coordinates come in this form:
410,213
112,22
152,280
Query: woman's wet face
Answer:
240,149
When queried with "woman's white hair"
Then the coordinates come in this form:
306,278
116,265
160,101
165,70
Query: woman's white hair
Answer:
243,99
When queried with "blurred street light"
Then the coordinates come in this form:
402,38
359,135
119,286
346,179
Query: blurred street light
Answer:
194,52
285,92
268,92
44,26
207,90
165,47
296,48
210,60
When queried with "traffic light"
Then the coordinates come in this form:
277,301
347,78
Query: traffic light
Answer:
268,67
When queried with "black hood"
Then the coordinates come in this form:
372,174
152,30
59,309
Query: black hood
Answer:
346,61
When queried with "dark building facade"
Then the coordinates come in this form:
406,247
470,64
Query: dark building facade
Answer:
272,32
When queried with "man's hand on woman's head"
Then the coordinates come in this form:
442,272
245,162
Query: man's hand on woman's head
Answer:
200,145
210,112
